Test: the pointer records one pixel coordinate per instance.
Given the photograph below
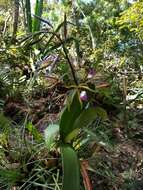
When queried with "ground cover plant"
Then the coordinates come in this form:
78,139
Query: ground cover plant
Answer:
71,95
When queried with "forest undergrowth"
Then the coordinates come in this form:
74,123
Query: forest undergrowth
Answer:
71,96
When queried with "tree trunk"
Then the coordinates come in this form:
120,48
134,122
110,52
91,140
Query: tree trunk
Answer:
15,22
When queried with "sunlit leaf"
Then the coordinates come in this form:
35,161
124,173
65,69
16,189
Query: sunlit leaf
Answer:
33,131
51,133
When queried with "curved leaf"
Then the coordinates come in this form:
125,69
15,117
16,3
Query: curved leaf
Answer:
70,114
86,117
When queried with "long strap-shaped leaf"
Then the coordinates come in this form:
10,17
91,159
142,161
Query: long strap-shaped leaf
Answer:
71,177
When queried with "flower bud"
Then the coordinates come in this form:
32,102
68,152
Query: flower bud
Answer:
83,96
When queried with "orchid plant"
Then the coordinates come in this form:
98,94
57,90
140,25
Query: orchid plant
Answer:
74,117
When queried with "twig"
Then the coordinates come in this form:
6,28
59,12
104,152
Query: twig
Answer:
85,176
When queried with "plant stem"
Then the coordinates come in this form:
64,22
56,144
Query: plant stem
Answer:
124,100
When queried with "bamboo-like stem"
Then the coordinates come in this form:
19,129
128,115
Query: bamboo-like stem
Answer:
28,15
38,12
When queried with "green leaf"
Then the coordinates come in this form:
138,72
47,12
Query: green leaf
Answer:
70,114
71,177
85,118
50,135
32,129
88,116
72,135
